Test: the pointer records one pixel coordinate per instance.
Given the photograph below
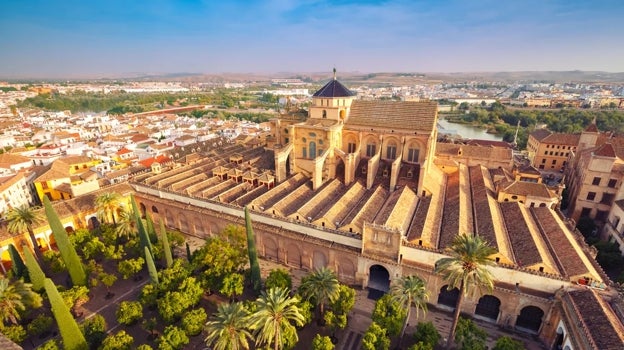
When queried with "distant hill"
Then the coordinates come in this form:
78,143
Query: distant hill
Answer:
374,79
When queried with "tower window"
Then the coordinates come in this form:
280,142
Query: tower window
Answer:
324,114
412,155
350,147
370,149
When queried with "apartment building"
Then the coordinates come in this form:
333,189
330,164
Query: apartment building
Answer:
550,151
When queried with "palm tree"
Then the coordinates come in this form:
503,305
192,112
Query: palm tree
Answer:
322,286
228,328
466,270
16,297
23,219
107,204
126,225
273,320
408,291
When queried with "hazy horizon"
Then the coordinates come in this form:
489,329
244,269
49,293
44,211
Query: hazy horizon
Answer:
76,39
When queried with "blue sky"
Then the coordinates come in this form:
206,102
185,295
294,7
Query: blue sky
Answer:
93,38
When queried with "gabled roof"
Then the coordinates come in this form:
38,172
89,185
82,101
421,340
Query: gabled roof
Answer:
401,115
562,139
523,188
333,89
597,319
13,159
591,128
529,170
540,134
605,150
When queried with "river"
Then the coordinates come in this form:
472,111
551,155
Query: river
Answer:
466,131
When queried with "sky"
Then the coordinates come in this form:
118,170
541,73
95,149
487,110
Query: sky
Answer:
114,38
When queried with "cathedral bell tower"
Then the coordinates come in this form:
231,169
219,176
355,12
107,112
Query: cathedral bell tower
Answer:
332,101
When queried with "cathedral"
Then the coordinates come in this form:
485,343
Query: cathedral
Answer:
366,189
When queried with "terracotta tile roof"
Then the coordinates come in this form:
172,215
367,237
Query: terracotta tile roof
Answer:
528,169
123,150
562,139
149,161
591,128
404,115
12,159
597,320
605,150
469,151
522,243
333,89
483,221
566,257
450,215
540,134
489,143
523,188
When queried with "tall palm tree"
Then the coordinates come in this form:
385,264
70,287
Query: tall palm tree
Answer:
408,291
466,270
227,330
322,286
274,317
107,204
16,297
23,219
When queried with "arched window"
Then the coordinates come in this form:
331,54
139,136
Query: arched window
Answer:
391,150
312,149
324,114
370,149
412,154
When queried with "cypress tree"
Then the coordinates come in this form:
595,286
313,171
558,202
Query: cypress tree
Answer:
17,264
151,267
253,254
73,339
165,242
189,257
143,236
34,270
67,250
149,226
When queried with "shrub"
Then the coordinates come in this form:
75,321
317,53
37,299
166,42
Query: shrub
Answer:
193,321
173,338
129,312
118,341
94,330
427,333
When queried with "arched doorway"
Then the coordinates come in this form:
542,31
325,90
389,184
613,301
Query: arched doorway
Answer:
293,255
530,318
448,297
340,169
379,278
142,209
270,249
488,307
93,223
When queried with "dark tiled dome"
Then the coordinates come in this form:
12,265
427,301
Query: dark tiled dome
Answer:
334,89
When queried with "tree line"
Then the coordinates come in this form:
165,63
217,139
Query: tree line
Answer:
504,121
